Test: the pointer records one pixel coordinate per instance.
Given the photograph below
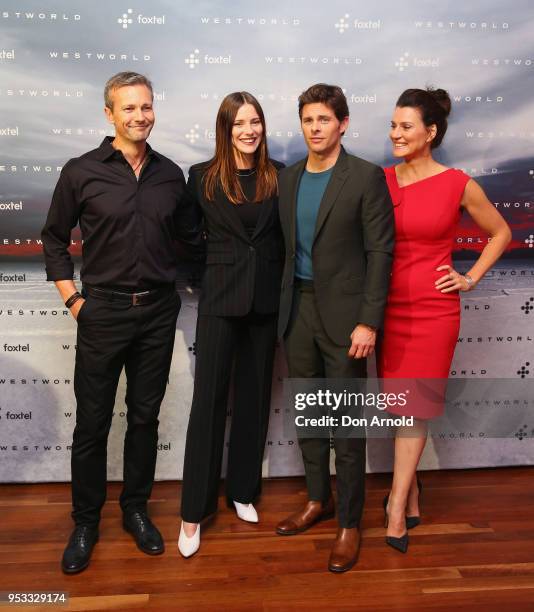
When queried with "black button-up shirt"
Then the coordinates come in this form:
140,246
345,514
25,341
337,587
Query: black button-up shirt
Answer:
128,226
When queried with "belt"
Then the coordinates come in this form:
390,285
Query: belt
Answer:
304,284
135,299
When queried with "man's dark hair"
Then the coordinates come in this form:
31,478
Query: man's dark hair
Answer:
331,95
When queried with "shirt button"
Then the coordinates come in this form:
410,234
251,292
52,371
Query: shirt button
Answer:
251,249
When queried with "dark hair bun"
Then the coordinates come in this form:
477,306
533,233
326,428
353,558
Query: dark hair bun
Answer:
442,98
434,106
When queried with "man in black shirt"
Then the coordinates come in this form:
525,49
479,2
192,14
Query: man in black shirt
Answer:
127,200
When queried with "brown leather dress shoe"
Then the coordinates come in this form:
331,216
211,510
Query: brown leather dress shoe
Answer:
313,512
345,550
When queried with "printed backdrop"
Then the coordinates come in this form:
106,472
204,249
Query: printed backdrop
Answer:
55,57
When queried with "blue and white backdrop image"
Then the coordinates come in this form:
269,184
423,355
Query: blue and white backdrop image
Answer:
55,57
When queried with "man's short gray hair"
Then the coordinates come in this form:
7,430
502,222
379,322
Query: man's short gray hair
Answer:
124,79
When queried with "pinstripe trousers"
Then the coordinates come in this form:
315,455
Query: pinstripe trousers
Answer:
247,342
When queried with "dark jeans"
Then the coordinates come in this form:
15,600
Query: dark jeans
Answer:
113,335
250,340
311,354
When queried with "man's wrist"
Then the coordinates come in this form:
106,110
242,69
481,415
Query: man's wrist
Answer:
73,299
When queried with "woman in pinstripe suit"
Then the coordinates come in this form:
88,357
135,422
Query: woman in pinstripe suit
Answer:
237,314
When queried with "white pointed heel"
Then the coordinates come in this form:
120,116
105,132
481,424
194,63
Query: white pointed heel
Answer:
188,546
246,512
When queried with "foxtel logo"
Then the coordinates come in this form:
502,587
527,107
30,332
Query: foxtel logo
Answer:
11,206
9,131
127,19
194,59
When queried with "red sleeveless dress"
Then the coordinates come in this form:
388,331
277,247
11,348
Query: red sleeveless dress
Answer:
421,324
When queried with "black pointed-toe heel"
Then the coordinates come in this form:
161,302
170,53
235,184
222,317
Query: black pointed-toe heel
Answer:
385,506
400,544
413,521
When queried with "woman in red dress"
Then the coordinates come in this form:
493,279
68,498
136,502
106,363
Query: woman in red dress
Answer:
422,318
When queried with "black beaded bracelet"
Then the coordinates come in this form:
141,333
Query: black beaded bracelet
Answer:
73,299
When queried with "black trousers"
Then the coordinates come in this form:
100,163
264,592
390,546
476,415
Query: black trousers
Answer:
113,335
311,354
250,340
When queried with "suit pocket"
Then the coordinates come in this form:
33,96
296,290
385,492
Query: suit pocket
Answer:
82,310
220,258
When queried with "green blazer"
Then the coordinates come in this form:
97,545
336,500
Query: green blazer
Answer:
352,247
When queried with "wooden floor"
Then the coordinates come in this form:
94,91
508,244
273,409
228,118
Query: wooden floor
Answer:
473,551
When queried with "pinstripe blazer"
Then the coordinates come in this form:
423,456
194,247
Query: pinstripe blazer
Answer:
242,272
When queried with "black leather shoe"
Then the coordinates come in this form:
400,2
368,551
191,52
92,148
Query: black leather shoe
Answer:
144,532
77,554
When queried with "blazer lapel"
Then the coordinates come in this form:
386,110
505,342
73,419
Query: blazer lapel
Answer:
265,215
293,192
336,182
230,216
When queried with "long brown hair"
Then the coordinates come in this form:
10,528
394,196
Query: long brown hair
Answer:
222,169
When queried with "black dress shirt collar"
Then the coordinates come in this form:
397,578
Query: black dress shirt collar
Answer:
106,151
